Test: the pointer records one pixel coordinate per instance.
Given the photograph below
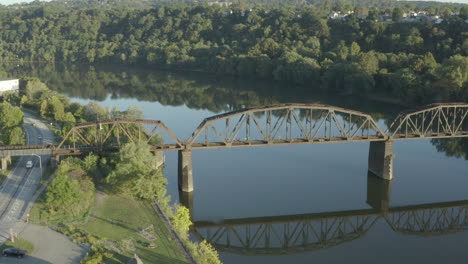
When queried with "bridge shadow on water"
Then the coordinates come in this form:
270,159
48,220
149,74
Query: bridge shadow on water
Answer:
295,234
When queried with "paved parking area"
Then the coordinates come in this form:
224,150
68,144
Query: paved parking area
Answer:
50,247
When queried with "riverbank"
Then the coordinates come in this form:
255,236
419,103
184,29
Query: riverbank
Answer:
132,227
115,227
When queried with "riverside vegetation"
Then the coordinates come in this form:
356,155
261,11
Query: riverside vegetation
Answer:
129,177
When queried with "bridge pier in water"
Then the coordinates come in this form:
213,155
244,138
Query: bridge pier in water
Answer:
185,170
381,159
160,159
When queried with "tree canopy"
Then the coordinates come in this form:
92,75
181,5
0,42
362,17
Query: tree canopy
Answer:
135,172
11,120
296,44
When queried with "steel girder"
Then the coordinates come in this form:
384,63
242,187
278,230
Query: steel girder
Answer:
281,124
284,124
110,134
436,120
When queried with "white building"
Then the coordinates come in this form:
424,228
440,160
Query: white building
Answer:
337,15
10,85
222,4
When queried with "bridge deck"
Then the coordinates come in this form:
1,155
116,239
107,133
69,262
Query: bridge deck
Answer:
79,150
311,123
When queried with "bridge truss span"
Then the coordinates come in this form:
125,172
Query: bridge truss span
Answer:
280,124
109,135
285,124
433,121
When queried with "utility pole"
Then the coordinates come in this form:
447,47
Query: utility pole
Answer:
12,236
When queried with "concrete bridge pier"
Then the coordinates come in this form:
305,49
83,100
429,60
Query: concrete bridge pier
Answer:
381,159
54,161
185,170
378,193
5,162
160,159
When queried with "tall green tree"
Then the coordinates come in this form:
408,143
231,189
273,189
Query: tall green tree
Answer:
14,136
57,110
135,173
464,12
10,116
397,14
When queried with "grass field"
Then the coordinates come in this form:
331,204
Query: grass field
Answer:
19,243
118,218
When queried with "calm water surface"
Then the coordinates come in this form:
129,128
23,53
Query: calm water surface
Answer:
263,188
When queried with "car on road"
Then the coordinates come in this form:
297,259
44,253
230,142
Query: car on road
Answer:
14,252
29,164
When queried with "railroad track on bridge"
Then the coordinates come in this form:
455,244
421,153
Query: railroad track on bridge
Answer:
282,124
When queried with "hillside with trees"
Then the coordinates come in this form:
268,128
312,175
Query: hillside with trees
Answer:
415,62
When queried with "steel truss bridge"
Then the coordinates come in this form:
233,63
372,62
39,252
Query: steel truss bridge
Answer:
283,124
278,235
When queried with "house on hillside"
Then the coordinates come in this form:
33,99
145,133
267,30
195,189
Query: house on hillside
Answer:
222,4
9,85
386,18
337,15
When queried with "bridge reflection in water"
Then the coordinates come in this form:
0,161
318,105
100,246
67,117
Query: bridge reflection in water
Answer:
293,234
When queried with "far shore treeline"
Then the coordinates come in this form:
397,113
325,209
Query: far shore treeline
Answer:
415,62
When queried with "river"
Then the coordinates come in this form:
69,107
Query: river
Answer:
294,204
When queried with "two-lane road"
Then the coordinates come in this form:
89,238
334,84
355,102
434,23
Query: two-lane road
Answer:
19,188
15,196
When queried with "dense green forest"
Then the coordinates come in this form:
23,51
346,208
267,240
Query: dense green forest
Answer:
415,62
77,4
